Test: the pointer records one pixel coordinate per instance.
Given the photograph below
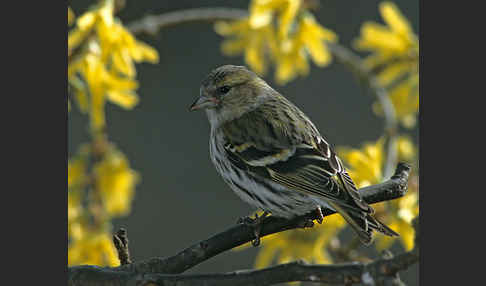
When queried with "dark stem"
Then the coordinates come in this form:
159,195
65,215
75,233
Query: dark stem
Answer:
120,240
152,24
384,269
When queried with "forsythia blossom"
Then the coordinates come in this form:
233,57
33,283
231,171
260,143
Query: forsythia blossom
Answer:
101,57
115,183
394,59
403,211
366,166
309,245
93,249
112,189
70,16
101,62
282,32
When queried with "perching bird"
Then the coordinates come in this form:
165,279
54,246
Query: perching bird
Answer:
273,157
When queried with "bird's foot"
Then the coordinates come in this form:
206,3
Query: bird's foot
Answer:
308,220
255,224
320,216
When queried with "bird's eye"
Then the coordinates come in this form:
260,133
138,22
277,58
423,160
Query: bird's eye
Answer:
224,89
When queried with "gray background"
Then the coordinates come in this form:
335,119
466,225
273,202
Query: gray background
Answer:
181,199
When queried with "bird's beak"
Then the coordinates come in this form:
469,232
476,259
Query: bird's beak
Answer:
204,102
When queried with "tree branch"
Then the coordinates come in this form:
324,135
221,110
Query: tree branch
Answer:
120,240
349,273
152,24
393,188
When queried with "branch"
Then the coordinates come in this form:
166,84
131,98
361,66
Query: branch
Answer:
152,24
393,188
343,274
120,240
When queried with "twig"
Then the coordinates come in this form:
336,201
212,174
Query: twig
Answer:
120,240
237,235
349,273
152,24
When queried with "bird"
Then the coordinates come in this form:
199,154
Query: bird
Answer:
272,155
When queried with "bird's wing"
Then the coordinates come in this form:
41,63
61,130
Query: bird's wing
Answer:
298,158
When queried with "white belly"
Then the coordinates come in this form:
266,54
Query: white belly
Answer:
259,192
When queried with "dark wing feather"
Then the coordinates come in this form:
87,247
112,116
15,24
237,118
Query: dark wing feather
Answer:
301,168
290,151
298,158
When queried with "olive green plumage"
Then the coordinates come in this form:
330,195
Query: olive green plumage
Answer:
272,155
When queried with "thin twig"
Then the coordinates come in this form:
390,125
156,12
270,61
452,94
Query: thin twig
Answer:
349,273
152,24
120,240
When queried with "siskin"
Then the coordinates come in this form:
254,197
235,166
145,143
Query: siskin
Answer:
273,157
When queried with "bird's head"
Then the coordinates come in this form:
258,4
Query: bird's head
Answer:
229,92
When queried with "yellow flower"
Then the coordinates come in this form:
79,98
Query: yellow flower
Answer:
291,58
405,99
313,36
366,169
395,39
74,207
262,12
93,249
106,63
399,215
406,149
306,244
80,92
104,84
121,49
296,244
291,61
287,17
394,60
76,230
365,166
116,183
252,42
76,171
71,16
75,212
281,32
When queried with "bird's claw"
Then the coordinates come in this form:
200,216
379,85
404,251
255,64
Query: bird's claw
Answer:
255,224
320,216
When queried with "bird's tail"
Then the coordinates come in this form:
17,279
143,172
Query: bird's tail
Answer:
363,223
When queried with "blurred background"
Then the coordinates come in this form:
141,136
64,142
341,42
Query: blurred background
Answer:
180,198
